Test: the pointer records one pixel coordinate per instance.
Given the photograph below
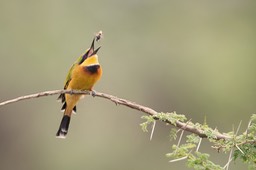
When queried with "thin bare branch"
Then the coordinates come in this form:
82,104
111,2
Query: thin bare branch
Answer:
120,101
42,94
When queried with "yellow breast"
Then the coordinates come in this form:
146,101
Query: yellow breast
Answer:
82,78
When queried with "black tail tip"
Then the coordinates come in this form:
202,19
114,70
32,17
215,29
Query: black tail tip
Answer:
63,129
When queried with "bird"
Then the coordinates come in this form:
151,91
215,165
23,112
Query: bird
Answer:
82,75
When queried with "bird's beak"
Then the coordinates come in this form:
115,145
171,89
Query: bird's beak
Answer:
95,51
91,51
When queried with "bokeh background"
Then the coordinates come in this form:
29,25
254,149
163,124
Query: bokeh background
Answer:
193,57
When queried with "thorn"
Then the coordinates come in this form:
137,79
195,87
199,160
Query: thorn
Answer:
229,160
153,129
199,143
184,127
238,127
180,138
239,149
205,120
246,132
180,159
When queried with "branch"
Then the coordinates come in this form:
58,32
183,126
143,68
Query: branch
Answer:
41,94
120,101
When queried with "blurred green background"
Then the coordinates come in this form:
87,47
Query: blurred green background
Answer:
193,57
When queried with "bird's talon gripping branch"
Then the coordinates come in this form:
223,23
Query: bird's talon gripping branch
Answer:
93,93
71,92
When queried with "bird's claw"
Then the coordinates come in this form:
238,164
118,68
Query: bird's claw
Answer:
93,93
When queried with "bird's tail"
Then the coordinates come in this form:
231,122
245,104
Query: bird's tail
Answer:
63,129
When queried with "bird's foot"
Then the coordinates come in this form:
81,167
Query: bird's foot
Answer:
93,93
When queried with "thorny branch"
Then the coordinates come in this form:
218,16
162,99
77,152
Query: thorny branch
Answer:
117,100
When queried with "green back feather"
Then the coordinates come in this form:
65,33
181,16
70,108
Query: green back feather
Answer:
69,77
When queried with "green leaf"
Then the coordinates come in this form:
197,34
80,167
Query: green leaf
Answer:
181,151
149,120
193,138
210,133
253,118
201,162
249,154
173,134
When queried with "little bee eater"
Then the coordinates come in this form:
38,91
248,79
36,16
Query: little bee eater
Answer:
83,74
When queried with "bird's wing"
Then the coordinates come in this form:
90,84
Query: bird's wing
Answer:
68,78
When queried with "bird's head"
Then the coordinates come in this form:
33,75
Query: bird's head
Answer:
90,53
